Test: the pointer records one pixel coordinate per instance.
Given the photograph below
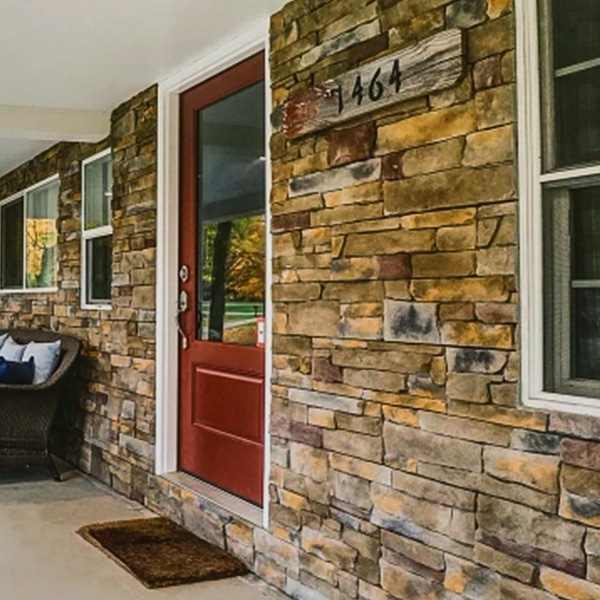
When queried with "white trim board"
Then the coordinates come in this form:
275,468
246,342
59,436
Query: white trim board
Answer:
167,285
530,221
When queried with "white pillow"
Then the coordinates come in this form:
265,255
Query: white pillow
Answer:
45,358
10,350
3,338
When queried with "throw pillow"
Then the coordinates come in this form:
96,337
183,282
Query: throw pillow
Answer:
45,356
12,351
16,372
3,338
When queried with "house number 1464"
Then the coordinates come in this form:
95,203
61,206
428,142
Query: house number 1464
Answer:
374,89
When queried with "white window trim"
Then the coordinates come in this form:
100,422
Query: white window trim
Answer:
23,194
212,63
530,221
90,234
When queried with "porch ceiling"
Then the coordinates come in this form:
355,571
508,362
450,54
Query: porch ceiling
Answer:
67,63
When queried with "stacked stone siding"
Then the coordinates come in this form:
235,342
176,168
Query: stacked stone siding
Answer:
403,463
107,426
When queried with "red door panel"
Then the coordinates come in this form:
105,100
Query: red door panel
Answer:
222,372
236,406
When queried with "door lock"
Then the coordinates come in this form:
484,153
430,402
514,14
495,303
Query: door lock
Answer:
184,273
182,306
183,301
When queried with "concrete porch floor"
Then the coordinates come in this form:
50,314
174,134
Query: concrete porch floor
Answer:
41,556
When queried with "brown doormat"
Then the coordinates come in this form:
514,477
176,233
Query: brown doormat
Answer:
160,553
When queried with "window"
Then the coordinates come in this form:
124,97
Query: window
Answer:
28,238
97,231
559,131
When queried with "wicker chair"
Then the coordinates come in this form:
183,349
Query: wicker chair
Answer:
27,411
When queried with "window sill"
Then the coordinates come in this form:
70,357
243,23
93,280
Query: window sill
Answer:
29,291
579,405
102,307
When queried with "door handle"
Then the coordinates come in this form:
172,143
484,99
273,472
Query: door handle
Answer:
182,306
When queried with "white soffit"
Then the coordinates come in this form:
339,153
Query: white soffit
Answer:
67,63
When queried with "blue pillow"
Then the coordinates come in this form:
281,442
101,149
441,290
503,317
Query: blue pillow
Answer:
16,372
45,355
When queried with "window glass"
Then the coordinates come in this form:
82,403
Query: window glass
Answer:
42,236
231,171
11,244
98,192
99,269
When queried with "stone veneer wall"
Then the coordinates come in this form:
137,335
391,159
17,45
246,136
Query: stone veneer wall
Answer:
107,427
403,465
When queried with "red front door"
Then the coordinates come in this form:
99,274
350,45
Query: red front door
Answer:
222,282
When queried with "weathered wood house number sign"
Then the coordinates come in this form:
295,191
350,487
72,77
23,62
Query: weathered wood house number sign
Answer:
433,64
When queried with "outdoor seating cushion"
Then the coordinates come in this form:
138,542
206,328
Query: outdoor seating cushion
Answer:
13,372
12,351
45,356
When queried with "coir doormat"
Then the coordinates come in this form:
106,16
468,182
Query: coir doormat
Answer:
160,553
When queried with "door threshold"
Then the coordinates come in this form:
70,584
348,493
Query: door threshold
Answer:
236,506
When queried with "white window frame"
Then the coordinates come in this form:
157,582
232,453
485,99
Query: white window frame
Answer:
531,179
23,194
91,234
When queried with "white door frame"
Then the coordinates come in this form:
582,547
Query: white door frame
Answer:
167,256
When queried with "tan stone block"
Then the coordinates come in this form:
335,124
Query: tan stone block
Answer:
396,360
413,550
470,580
533,470
375,380
507,232
486,229
360,468
397,290
456,238
347,292
567,586
443,264
370,425
496,106
494,37
504,394
498,414
402,416
354,444
439,370
457,311
457,94
349,22
470,387
503,563
362,328
466,429
282,205
354,269
427,128
478,335
359,194
498,8
328,549
475,289
308,461
392,507
346,214
404,442
487,73
321,418
296,292
432,158
440,218
580,495
389,242
319,319
490,146
407,401
496,313
310,164
449,189
498,260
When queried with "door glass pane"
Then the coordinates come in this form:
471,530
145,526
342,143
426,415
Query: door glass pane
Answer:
576,31
578,117
231,189
98,192
99,269
11,244
42,236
